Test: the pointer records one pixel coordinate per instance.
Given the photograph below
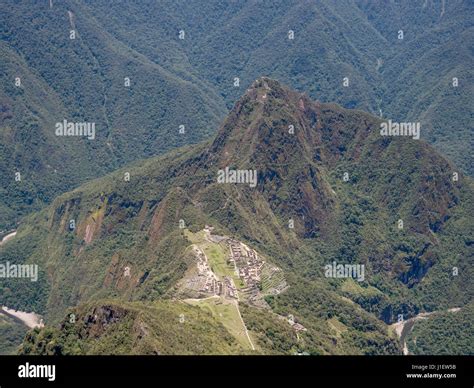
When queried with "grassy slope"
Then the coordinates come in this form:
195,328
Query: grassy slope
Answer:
226,312
134,328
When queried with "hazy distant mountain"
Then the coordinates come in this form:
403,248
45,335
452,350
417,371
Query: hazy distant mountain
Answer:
189,82
84,80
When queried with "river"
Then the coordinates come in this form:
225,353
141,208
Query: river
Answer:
405,327
30,320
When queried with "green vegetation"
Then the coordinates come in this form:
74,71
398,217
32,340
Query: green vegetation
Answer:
448,332
189,81
12,334
116,327
270,333
83,80
226,312
318,309
136,224
217,254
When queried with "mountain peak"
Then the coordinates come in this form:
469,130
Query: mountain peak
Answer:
268,115
265,83
265,88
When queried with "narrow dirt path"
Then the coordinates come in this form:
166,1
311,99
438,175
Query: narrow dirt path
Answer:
243,324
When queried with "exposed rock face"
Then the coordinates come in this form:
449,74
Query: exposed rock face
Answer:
97,322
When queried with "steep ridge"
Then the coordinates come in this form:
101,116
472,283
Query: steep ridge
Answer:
114,327
347,52
130,238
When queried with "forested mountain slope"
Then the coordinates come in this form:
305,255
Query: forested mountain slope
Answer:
347,52
330,189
